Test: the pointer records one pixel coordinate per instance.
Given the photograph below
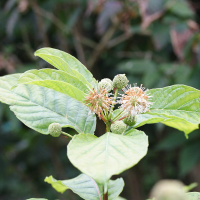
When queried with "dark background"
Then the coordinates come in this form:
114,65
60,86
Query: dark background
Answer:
155,42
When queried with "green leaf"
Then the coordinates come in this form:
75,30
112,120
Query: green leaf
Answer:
108,155
58,81
82,185
6,83
176,106
86,187
180,8
193,196
66,63
186,161
38,107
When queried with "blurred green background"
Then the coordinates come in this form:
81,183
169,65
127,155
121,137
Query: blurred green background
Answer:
155,42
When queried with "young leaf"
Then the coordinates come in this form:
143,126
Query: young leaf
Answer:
176,106
58,81
111,154
65,62
38,107
86,187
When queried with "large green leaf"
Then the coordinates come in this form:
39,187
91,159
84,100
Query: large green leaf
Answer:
86,187
58,81
38,107
66,63
177,106
110,154
193,196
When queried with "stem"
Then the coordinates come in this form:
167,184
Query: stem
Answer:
105,195
118,115
108,127
67,134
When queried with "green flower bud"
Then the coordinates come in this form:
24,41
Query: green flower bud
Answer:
106,84
55,129
168,190
120,81
130,121
118,127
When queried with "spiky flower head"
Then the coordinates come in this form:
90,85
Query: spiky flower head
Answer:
120,81
98,101
118,127
130,121
55,129
135,101
106,84
168,190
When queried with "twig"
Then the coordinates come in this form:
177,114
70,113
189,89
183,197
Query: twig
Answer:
102,44
78,46
119,39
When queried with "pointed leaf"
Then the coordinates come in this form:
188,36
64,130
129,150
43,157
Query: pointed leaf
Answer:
38,107
58,81
82,185
177,123
66,63
86,187
111,154
177,106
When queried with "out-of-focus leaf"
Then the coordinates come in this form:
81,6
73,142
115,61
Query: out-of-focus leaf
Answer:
12,21
180,8
110,8
151,10
188,158
171,141
180,36
161,36
187,188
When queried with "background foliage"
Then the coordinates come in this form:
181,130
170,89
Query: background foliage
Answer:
155,42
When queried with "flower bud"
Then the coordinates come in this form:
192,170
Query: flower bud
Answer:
120,81
106,84
130,121
55,129
118,127
168,190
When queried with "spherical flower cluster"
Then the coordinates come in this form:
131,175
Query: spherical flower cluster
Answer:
98,101
55,129
168,190
118,127
135,101
106,84
120,81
